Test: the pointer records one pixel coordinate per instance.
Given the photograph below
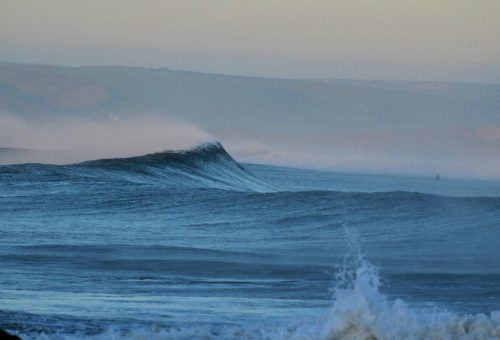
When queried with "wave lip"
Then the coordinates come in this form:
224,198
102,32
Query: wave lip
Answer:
206,165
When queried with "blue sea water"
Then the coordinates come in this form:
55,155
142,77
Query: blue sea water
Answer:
195,245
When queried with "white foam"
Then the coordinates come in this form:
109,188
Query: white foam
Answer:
359,311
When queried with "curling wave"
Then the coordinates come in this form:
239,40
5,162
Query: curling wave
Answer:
205,166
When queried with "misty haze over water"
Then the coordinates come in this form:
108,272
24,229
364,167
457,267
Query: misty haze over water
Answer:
419,128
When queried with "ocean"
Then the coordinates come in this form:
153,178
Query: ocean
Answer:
192,244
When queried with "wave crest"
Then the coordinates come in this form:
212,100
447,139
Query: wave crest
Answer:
362,311
205,166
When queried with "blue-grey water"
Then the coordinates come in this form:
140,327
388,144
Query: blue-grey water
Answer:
194,245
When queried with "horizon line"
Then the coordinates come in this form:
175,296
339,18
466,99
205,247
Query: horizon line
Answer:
165,68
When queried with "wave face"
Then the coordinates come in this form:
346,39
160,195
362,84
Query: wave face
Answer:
191,244
207,165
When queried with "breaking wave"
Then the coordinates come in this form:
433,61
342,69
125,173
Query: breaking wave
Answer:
359,311
205,166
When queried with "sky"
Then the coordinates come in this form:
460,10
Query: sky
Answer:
449,40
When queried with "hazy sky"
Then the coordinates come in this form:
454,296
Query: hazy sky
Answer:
384,39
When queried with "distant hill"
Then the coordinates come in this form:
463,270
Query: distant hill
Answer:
390,126
209,100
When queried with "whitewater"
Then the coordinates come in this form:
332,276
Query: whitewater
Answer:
192,244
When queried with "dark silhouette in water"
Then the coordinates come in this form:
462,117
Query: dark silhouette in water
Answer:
437,177
7,336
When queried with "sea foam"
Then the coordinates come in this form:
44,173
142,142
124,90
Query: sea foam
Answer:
359,311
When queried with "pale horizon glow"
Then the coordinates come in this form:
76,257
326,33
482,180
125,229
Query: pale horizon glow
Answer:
426,40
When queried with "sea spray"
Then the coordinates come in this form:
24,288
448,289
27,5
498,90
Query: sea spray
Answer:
361,311
79,139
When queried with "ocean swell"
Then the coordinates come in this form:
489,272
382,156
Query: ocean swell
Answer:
205,166
359,311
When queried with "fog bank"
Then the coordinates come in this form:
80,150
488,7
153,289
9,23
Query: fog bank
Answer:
72,139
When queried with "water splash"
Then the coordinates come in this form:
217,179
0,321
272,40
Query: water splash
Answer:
361,311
